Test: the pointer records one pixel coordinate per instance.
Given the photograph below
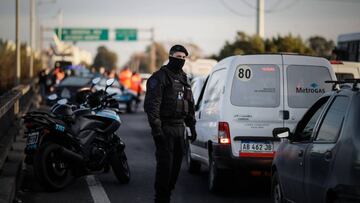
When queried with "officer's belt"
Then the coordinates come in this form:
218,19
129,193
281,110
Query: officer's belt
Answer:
172,121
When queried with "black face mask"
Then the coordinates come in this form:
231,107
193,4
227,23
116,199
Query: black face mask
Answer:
176,64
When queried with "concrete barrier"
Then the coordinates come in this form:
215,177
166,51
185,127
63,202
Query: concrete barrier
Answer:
13,104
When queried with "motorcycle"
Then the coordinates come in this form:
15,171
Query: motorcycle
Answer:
70,141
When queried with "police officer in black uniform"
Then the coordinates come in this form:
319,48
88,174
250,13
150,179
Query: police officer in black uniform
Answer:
169,105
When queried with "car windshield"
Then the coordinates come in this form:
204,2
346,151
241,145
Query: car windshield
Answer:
75,81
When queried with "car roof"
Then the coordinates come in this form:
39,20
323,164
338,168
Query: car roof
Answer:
347,87
75,81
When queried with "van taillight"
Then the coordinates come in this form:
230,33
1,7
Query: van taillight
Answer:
334,62
224,133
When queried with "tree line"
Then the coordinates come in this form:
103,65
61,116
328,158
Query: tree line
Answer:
8,64
242,44
253,44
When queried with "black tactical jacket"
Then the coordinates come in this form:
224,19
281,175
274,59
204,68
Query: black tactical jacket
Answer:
169,97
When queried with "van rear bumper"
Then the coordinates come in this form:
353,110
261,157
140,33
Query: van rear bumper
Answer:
225,159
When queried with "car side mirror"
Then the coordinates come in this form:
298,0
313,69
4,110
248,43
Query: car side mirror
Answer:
281,133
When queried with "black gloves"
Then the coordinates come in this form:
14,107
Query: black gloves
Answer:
193,136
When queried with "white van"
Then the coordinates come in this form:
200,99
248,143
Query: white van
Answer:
243,100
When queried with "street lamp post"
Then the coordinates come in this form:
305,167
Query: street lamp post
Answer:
152,52
17,40
260,30
32,37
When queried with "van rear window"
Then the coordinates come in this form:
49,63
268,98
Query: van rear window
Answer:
305,84
256,86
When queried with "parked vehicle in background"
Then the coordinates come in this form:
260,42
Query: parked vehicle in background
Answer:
74,88
199,67
244,98
319,161
348,47
196,86
144,78
346,70
127,98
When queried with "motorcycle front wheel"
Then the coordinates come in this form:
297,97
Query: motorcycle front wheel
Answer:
51,169
120,167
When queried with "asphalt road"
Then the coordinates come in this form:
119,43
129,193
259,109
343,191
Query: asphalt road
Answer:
140,151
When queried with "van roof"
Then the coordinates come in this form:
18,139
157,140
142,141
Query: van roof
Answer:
229,60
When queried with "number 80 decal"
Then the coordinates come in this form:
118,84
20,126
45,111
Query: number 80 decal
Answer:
244,73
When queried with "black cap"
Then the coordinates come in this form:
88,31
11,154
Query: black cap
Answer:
179,48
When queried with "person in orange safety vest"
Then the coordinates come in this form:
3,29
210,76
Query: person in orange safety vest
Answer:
125,77
136,83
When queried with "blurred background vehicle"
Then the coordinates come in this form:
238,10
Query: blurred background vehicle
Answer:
346,70
127,98
74,88
144,78
198,67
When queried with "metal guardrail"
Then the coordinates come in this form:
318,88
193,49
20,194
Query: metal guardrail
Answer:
13,104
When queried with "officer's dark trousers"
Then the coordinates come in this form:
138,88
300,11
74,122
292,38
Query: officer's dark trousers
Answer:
169,154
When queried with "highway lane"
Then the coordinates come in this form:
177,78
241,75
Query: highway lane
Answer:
140,150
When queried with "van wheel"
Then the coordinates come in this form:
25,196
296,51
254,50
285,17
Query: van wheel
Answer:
192,165
276,191
215,176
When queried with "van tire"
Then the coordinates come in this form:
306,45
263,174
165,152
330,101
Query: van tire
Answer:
215,176
193,166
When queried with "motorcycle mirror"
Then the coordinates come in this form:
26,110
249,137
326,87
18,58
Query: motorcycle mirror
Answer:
96,80
110,81
62,101
52,97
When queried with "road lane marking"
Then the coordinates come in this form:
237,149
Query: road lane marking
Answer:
97,191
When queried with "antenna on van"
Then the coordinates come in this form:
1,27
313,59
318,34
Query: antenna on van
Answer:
335,83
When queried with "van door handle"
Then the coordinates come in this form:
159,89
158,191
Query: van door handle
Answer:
285,114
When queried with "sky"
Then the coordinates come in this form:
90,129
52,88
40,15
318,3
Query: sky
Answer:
207,23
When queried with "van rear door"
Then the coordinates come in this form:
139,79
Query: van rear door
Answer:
255,104
304,83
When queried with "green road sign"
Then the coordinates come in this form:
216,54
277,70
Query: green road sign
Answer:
83,34
126,34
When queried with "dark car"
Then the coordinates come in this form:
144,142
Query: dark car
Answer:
126,98
74,88
320,160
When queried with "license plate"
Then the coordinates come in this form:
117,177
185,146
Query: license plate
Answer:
257,147
32,139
